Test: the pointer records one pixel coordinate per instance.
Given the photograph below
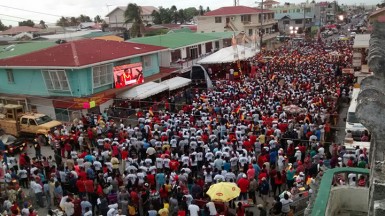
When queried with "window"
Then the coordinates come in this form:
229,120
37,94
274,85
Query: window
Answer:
246,18
298,10
218,19
250,32
56,80
147,63
24,121
298,21
32,122
10,76
286,22
102,75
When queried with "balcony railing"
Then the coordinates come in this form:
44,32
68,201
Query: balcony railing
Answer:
266,22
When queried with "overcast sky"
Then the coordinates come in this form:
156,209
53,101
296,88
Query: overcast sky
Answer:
92,8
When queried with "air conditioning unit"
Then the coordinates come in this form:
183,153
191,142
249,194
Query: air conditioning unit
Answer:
233,18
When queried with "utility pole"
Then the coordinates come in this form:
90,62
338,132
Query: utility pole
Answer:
304,17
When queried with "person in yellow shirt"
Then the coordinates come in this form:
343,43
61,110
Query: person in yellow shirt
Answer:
163,212
131,210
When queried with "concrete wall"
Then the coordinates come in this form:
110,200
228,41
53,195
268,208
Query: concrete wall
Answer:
43,105
349,198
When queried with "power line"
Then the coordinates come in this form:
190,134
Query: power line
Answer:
30,11
22,18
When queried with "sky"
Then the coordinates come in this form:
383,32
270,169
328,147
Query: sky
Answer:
53,9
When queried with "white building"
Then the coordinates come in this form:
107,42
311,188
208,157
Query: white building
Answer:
116,16
237,19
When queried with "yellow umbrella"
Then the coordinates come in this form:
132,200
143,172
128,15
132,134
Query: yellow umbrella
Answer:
223,191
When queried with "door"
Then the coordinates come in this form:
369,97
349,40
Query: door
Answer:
227,20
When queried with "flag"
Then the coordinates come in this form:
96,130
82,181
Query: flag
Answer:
151,112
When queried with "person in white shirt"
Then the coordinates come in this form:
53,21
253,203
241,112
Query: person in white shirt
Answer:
286,203
211,206
38,190
68,207
193,209
88,212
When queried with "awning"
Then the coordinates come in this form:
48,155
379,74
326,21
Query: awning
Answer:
143,91
361,41
228,54
176,82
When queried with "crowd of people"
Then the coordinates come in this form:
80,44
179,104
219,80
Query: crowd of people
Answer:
237,132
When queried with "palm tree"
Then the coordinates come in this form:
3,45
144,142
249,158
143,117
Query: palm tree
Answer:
133,14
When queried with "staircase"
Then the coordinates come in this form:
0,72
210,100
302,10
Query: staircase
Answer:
231,26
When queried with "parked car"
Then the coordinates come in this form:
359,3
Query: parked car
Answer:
352,34
13,145
343,37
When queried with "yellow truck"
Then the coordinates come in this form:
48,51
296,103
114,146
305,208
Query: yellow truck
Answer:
14,121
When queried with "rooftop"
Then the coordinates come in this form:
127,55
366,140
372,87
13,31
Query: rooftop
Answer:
23,48
146,10
19,29
235,10
292,16
80,53
174,40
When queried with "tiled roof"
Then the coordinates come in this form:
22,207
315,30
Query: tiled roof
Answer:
19,29
23,48
80,53
234,10
174,40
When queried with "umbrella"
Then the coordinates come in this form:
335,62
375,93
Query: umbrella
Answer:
223,191
293,109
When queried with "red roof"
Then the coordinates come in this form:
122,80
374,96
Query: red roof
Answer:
235,10
19,29
80,53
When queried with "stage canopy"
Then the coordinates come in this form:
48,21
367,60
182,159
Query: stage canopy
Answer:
227,55
143,91
176,82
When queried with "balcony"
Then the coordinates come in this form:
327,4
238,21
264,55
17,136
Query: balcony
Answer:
329,200
256,24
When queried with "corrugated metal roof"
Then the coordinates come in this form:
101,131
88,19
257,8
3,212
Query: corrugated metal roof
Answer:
23,48
293,16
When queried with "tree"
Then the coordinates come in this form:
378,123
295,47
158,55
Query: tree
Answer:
181,16
83,18
157,19
63,22
2,26
29,23
133,14
174,13
207,10
73,21
201,10
190,13
98,19
42,24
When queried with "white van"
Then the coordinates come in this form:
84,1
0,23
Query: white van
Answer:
352,123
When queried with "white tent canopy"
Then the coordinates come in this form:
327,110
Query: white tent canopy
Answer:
143,91
176,82
227,55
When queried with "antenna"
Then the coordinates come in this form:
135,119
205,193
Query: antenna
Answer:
108,8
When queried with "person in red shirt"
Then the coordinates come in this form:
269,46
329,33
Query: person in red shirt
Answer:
243,184
89,186
174,165
150,178
82,174
81,187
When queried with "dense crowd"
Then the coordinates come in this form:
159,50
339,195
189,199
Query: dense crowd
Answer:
238,132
